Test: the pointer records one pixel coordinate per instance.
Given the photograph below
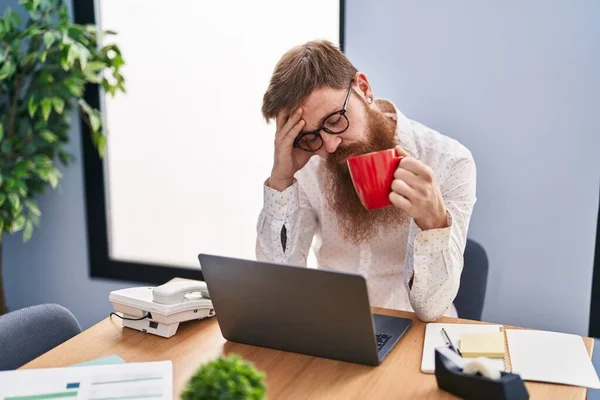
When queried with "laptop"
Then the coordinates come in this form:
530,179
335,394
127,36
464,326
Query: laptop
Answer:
316,312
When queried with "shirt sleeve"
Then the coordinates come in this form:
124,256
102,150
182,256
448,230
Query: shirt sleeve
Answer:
434,258
286,226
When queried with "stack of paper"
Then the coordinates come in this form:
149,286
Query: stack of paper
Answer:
153,380
551,357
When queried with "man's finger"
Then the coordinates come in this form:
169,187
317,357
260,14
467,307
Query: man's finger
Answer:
401,202
281,118
403,189
407,176
290,123
401,152
416,167
288,139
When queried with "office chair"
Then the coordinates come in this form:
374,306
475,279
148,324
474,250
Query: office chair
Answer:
30,332
473,282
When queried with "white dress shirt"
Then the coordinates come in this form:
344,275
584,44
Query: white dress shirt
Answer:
434,258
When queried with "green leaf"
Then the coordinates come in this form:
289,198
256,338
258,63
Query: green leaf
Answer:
75,88
23,187
28,231
32,106
109,32
92,76
83,57
50,175
46,108
1,229
1,180
20,170
95,121
1,134
14,200
95,66
29,149
42,161
6,147
6,70
18,224
32,207
118,61
53,177
101,145
49,136
85,106
35,219
10,184
14,18
72,55
49,39
59,104
64,157
2,199
39,125
43,56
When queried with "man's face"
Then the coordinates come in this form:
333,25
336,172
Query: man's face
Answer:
324,101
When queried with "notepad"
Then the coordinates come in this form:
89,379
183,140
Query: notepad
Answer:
551,357
482,344
434,338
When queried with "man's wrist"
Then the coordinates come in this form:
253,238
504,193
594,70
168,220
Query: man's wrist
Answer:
438,222
279,184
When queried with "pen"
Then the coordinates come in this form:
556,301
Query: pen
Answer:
449,342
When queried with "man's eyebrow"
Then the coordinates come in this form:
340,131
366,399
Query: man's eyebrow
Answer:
322,120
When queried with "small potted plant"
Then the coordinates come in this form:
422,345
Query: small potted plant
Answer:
226,378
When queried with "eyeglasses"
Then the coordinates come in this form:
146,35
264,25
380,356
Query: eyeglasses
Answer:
335,123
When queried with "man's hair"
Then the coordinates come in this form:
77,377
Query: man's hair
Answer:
302,69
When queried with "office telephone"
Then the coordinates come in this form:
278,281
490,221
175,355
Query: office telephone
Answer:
159,310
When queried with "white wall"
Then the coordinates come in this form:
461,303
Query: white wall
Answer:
517,82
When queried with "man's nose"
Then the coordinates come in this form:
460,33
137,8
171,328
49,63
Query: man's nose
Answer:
331,142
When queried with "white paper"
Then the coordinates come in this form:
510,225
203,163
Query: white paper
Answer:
148,381
434,338
551,357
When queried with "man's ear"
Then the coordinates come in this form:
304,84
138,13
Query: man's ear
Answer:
362,86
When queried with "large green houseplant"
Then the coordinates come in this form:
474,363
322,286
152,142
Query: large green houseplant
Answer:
45,64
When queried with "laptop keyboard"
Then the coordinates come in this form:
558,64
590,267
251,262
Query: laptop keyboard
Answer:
382,339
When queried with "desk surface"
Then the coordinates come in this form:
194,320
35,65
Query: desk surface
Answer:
289,375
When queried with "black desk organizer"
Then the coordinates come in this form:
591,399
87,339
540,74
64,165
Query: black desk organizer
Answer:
450,378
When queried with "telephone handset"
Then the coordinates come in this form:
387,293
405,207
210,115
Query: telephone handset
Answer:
159,310
176,292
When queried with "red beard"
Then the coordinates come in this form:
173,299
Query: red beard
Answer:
356,223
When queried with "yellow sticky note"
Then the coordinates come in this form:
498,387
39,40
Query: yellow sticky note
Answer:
485,344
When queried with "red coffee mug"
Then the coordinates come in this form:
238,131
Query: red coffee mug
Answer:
372,175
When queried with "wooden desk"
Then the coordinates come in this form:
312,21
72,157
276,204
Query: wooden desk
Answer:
289,375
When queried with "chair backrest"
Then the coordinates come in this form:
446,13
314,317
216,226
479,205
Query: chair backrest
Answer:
30,332
473,282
